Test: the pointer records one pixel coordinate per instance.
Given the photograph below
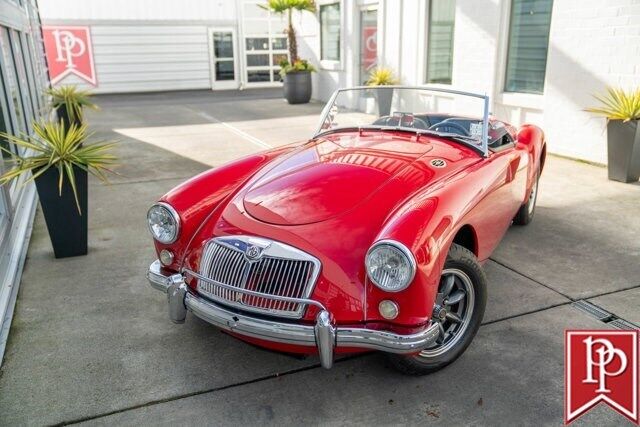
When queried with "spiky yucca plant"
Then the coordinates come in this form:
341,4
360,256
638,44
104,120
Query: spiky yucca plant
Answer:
52,145
618,104
73,99
287,6
381,77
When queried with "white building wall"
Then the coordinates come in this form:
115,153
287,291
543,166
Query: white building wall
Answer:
161,44
593,44
144,45
141,10
135,58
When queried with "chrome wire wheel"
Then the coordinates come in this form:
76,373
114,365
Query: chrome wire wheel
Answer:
452,311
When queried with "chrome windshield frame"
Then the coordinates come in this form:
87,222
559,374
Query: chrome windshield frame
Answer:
483,147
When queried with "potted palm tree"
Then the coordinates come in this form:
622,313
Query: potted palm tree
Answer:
383,77
58,163
622,111
296,72
69,101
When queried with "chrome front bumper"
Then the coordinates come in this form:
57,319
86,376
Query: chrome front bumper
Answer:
323,335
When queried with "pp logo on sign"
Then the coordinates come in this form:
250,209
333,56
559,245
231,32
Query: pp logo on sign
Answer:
601,366
68,51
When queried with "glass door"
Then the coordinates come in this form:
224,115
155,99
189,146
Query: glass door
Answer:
222,53
368,42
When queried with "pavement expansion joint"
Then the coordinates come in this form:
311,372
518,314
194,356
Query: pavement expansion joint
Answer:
603,315
551,288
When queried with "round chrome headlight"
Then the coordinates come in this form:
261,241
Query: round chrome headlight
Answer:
390,265
164,223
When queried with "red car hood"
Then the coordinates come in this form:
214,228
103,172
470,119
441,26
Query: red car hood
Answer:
331,199
330,178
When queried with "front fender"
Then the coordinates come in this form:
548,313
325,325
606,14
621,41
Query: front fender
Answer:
195,199
418,225
426,224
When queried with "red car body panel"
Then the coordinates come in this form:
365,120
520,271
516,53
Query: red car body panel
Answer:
336,195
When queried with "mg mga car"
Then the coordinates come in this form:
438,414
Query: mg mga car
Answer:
370,236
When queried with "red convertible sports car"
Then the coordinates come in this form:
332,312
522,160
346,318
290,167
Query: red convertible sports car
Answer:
371,235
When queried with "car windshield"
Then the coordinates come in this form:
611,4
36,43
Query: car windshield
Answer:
460,116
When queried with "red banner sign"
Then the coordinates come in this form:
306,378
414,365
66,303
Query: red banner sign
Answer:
69,51
370,47
601,366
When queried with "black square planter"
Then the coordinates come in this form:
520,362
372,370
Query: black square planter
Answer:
67,227
623,150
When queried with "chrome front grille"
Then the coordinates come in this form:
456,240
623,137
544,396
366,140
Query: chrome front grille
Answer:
257,265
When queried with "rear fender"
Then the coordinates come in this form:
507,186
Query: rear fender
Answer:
531,138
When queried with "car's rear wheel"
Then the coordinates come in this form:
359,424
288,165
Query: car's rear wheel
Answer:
526,211
459,308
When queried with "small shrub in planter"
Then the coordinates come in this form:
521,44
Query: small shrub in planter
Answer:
59,163
622,110
69,101
296,75
383,77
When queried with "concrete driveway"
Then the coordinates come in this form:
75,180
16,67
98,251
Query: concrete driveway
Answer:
91,341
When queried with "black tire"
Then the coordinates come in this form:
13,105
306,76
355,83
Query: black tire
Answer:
528,209
462,260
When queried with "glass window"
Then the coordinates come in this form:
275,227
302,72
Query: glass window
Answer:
257,60
4,128
223,44
7,125
255,43
528,45
368,42
255,76
22,49
23,81
223,59
330,32
440,41
224,70
12,89
278,58
279,43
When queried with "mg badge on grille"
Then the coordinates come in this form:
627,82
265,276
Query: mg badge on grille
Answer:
253,252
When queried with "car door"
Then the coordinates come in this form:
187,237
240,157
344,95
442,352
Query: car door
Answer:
504,176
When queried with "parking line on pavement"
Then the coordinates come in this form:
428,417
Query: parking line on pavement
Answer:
235,130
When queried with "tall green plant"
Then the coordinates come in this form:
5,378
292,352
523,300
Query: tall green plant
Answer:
52,145
288,6
617,104
73,99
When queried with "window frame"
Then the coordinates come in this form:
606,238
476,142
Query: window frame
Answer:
519,98
331,64
427,47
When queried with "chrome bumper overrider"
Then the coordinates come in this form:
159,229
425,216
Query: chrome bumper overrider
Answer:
323,335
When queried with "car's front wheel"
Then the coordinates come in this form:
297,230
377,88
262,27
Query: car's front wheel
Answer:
458,311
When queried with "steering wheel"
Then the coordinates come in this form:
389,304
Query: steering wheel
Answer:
445,126
398,119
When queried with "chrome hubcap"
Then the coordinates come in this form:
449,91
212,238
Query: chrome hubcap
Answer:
452,311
